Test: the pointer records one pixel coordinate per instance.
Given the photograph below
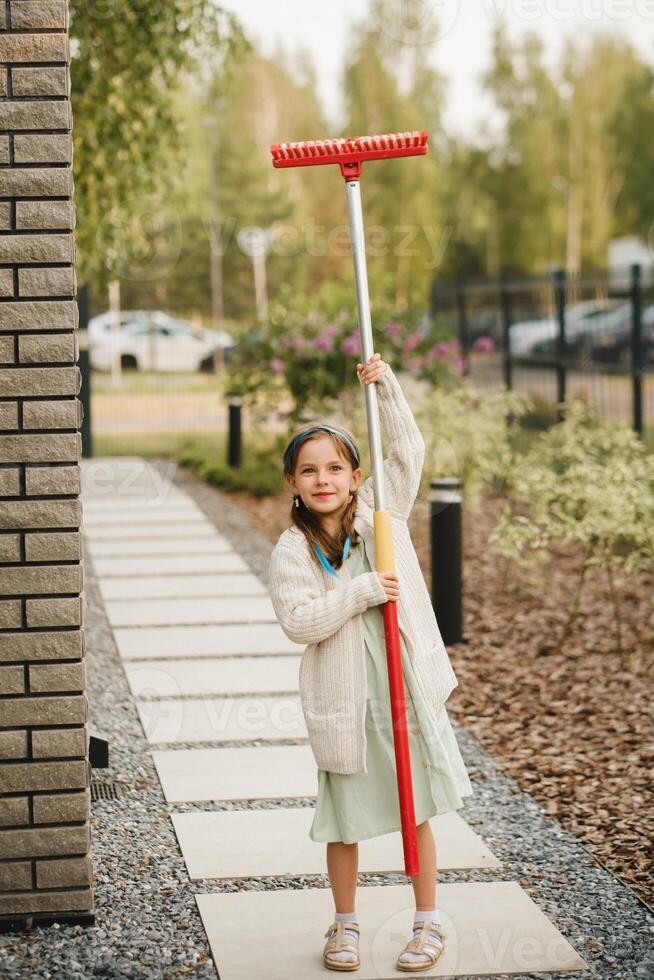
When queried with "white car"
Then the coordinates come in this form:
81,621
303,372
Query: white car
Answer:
530,334
153,341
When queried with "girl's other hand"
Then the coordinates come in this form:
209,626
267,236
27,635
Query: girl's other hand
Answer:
390,584
372,371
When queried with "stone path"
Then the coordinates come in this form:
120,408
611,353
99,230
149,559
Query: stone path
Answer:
211,669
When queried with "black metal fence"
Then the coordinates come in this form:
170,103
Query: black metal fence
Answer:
557,337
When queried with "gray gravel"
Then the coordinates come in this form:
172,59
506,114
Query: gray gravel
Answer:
147,923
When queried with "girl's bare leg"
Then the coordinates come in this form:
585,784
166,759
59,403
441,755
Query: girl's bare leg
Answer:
424,884
342,867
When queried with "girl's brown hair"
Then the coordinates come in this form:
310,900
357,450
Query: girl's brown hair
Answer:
305,519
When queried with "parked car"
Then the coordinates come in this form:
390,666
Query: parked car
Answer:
540,336
154,341
612,345
604,338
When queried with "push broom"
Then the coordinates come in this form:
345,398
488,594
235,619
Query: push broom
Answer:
350,154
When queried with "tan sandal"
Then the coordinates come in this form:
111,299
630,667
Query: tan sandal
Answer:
423,943
338,942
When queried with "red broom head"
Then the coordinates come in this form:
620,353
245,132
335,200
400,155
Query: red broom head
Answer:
349,153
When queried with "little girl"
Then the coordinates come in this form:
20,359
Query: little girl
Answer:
326,594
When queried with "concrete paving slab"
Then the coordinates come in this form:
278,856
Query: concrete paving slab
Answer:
235,719
228,676
263,772
253,639
125,474
182,586
194,529
149,517
491,928
214,544
162,612
119,505
181,565
254,843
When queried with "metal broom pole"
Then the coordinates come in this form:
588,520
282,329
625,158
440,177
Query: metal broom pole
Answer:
350,154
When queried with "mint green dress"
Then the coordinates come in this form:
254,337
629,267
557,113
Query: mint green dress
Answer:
356,806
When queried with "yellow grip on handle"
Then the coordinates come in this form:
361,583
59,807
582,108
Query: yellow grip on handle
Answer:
383,541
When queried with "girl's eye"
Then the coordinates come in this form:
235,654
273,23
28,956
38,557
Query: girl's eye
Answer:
333,466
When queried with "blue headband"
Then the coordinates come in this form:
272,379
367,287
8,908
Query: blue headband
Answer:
321,428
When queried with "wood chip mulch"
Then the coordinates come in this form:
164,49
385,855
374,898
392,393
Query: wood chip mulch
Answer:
569,718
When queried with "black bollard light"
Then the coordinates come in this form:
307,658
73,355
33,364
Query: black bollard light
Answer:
234,437
446,557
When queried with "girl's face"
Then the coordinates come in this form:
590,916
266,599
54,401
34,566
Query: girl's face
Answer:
323,478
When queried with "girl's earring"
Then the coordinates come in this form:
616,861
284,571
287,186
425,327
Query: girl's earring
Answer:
296,498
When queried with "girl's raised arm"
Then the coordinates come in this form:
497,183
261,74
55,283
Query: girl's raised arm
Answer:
406,448
304,613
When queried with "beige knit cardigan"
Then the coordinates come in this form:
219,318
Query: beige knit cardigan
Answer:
315,608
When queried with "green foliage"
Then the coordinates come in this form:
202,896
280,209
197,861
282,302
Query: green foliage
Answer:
584,483
471,434
260,474
310,347
127,59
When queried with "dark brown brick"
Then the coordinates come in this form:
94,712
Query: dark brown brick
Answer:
37,215
58,314
54,545
62,808
40,81
36,182
21,48
56,677
9,545
14,812
59,743
46,282
7,289
43,148
6,350
8,415
13,745
17,875
21,903
36,248
64,872
16,514
54,612
10,618
69,710
40,381
52,415
35,580
12,679
53,479
35,115
52,447
39,15
39,841
46,348
32,776
41,646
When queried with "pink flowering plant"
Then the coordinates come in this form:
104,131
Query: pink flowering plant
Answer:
310,347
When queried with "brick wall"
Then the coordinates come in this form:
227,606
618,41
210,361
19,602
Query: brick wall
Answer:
45,865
